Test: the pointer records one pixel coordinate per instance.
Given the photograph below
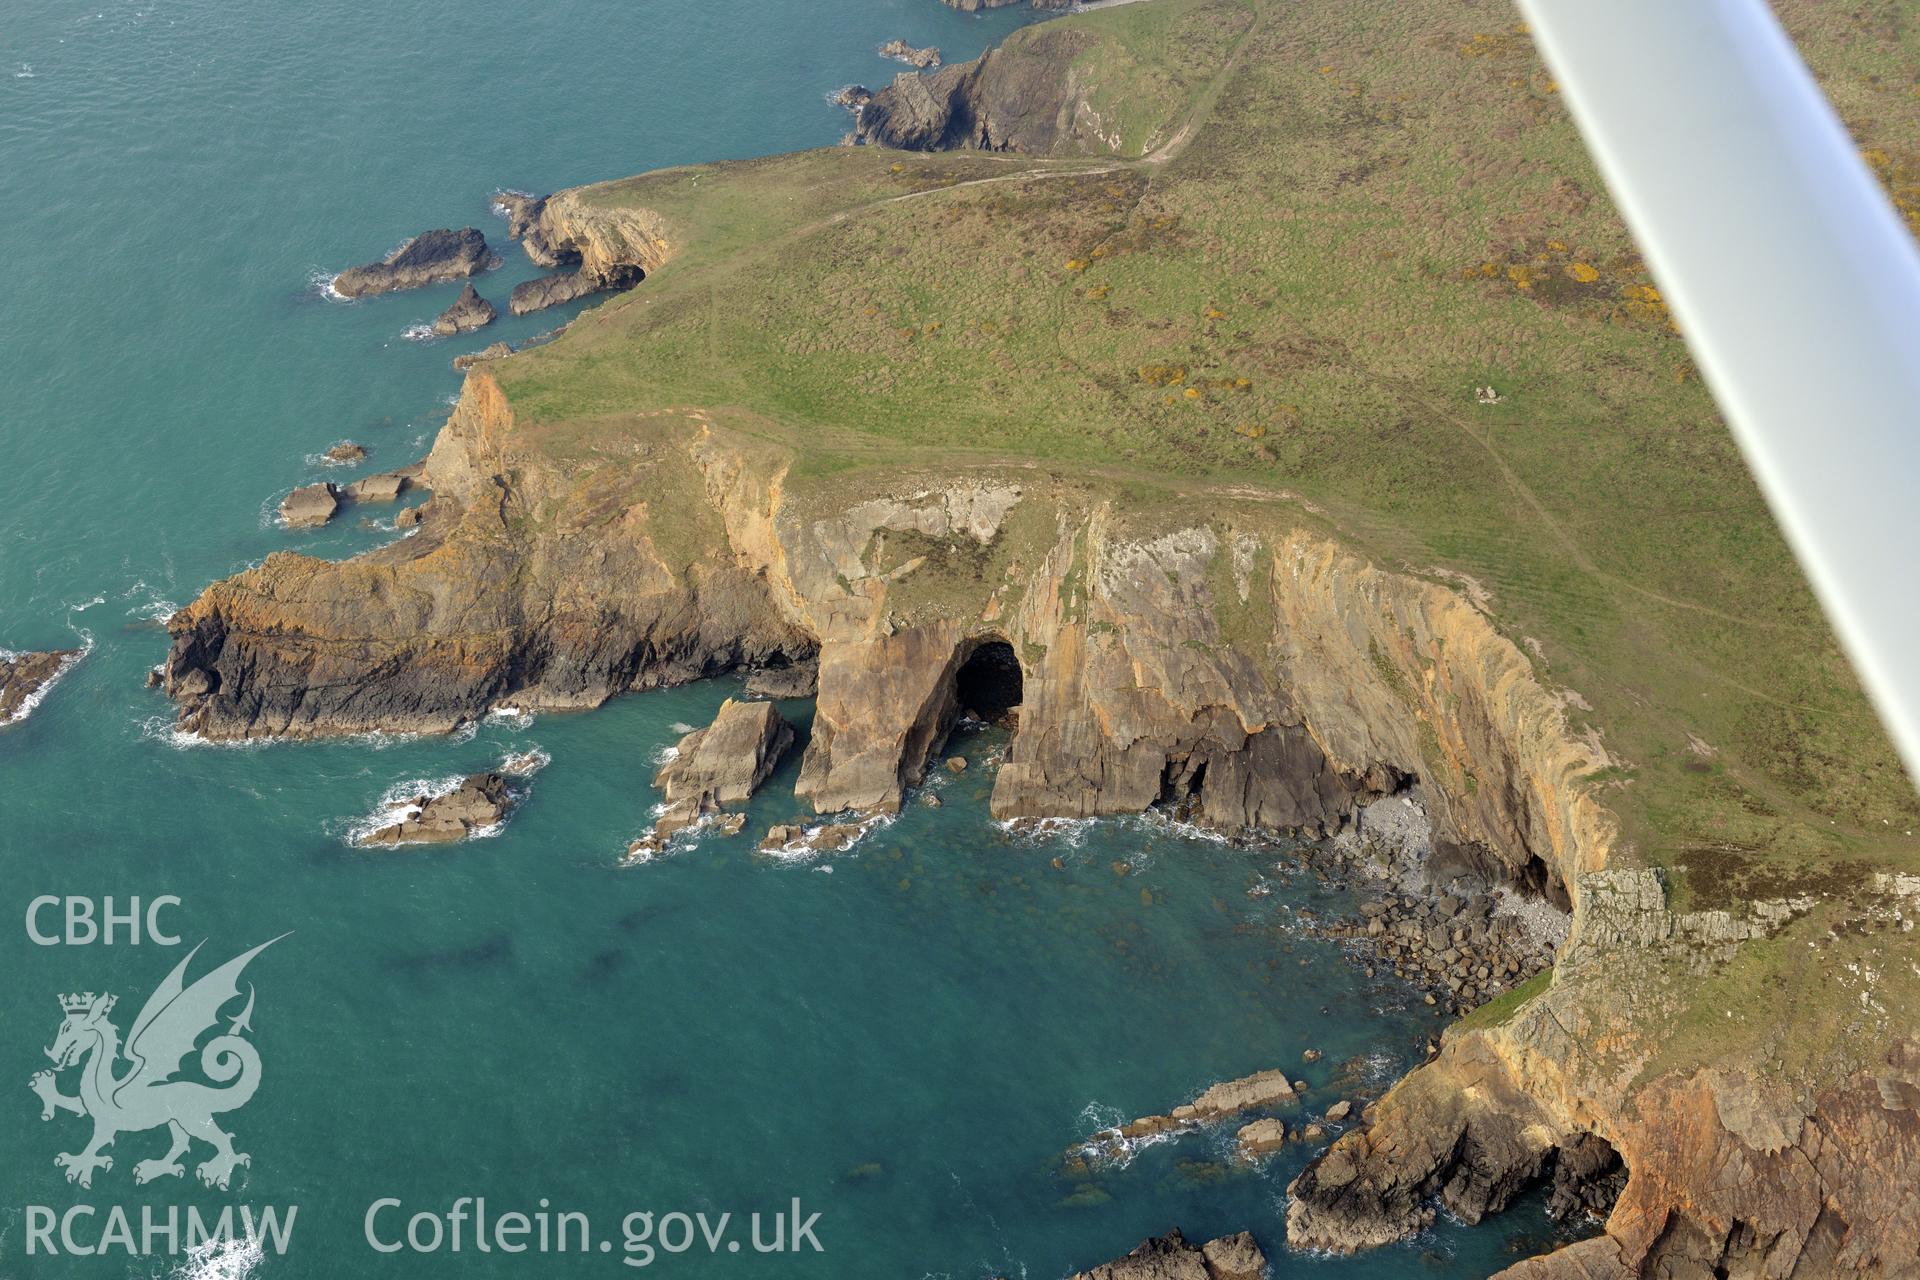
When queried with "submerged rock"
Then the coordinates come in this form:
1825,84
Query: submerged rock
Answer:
480,801
428,258
852,96
1173,1257
309,506
469,311
26,677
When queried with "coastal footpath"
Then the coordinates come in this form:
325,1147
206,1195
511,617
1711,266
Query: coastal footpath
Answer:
1265,400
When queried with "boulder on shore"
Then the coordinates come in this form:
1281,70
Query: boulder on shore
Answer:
1173,1257
480,801
469,311
428,258
25,677
309,506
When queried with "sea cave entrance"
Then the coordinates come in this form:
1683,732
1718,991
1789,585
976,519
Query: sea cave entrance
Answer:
988,684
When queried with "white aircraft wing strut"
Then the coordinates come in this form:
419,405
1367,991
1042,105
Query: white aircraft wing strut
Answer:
1791,276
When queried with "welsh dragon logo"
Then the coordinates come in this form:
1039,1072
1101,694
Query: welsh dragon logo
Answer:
146,1095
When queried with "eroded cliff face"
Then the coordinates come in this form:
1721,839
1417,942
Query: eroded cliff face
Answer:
1739,1165
527,584
1244,666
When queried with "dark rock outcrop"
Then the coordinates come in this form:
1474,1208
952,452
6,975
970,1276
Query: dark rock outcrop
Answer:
919,59
428,258
469,311
1013,98
569,286
1173,1257
26,677
480,801
309,506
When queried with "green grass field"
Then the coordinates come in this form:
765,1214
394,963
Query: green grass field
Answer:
1292,272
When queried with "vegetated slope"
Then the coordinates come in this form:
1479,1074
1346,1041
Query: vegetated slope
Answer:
1346,263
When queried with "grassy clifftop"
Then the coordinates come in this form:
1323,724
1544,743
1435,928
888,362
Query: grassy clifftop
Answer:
1295,272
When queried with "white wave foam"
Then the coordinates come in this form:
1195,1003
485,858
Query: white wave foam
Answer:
681,727
419,333
511,716
402,802
25,72
149,605
162,729
1071,832
665,754
802,849
320,281
524,764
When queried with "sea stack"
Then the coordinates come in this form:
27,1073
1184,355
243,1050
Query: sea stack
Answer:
469,311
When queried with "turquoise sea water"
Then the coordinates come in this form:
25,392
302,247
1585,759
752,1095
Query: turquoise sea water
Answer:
904,1037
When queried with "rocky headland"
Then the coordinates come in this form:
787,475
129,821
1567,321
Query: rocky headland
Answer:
1193,474
26,678
427,258
606,250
